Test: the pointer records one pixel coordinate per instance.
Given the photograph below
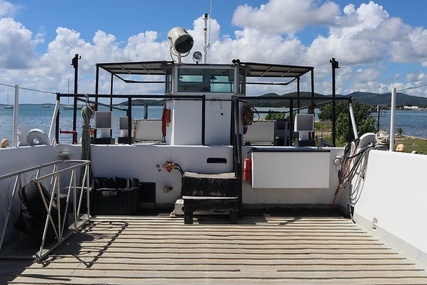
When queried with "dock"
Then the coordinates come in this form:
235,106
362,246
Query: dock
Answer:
260,249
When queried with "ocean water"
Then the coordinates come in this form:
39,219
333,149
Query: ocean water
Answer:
412,122
33,116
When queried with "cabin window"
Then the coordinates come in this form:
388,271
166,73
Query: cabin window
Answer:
168,81
168,87
206,80
242,81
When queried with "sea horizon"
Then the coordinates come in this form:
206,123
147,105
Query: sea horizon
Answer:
413,123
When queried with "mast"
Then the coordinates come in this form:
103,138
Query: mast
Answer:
75,64
206,44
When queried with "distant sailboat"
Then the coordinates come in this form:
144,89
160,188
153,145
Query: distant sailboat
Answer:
68,107
8,106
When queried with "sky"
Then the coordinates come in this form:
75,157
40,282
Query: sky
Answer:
379,44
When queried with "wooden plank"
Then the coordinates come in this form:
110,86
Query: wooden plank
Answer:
202,266
101,276
208,198
65,260
263,250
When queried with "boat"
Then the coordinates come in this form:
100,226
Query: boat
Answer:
206,194
8,106
71,107
68,107
46,106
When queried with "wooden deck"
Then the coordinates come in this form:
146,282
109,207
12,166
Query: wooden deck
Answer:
265,249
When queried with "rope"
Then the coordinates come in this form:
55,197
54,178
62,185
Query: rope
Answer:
354,166
248,115
382,138
87,114
28,89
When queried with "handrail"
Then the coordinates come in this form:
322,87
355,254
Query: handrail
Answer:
52,123
29,169
59,227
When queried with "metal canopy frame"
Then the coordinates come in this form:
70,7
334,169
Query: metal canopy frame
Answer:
275,70
159,68
120,70
136,68
252,70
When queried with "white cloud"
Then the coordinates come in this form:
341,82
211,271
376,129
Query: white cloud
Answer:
253,45
8,9
145,46
412,47
16,45
285,16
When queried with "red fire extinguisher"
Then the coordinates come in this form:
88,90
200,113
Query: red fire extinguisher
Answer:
247,168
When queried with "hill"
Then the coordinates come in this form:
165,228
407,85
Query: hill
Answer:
282,103
372,99
375,99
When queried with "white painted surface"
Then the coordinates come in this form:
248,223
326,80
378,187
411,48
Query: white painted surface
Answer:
395,193
186,123
290,169
18,159
148,130
260,131
145,162
287,197
304,123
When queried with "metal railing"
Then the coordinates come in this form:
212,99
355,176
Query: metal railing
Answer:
55,221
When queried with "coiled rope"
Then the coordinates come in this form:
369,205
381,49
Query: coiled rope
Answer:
248,114
353,166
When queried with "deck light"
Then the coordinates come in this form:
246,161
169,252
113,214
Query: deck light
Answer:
180,42
197,56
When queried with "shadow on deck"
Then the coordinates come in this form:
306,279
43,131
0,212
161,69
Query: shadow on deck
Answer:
271,248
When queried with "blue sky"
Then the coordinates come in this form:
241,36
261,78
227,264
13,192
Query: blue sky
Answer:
379,44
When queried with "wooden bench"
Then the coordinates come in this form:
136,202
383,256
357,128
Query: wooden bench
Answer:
209,192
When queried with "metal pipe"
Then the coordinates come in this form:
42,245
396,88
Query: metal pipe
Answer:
130,120
58,98
145,111
291,122
52,122
203,119
55,175
9,208
15,117
392,114
334,65
353,121
75,64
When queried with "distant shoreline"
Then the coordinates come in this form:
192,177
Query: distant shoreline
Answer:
410,137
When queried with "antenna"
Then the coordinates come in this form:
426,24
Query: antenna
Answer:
210,23
206,44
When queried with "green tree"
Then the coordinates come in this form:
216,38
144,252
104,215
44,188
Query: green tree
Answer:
274,116
362,114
